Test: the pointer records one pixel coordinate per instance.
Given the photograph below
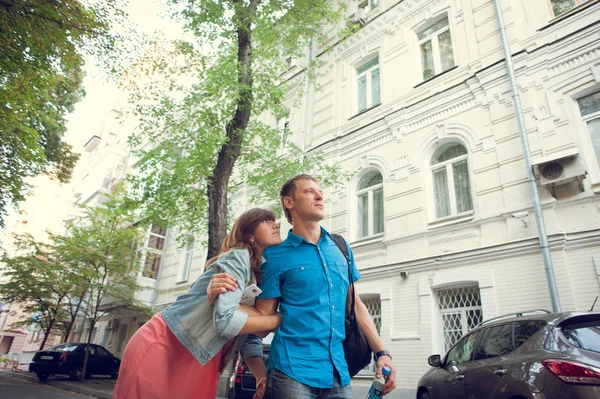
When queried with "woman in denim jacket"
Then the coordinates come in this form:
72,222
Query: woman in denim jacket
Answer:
181,351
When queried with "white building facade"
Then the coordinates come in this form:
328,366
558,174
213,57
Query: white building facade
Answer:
417,104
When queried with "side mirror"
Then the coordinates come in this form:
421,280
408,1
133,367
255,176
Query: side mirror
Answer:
435,361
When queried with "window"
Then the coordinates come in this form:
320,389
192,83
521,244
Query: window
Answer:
463,351
496,341
101,351
451,184
589,106
370,204
523,330
460,311
436,47
187,263
367,76
373,305
156,243
585,335
562,6
368,5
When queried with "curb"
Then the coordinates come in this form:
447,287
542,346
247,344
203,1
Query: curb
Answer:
64,386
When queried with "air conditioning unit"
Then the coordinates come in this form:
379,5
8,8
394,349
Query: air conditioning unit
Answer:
360,16
113,324
560,169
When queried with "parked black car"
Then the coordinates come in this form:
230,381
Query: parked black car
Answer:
243,384
549,355
68,359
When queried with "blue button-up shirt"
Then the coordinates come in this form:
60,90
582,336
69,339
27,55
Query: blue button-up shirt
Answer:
312,284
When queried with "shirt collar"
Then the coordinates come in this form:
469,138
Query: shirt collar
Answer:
296,240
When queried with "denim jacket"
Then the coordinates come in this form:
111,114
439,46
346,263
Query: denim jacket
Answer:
203,329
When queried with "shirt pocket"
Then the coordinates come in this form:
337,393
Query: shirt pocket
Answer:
303,280
342,268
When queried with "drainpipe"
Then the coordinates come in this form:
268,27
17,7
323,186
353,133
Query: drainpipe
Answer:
537,208
160,268
306,103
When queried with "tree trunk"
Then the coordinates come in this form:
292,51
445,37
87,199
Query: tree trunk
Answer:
230,151
74,316
87,350
46,334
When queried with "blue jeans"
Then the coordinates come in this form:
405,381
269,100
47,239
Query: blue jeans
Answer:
280,386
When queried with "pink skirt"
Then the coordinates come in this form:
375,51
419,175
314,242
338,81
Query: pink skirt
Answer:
156,365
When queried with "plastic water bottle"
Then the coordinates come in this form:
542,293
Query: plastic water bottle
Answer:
376,391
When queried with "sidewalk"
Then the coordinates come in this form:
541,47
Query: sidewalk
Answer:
97,386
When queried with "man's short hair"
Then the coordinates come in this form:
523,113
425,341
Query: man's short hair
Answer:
289,190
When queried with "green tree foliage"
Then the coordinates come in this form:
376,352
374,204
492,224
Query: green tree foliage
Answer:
103,245
40,283
42,48
199,101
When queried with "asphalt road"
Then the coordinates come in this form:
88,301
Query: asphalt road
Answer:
16,387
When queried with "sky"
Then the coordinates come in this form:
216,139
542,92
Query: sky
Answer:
50,201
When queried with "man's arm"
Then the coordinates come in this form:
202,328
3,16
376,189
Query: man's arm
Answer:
368,328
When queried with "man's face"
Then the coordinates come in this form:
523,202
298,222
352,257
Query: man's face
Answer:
307,202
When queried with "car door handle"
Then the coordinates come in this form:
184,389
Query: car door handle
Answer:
460,377
500,372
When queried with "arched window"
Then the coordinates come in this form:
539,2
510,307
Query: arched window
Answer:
370,204
451,184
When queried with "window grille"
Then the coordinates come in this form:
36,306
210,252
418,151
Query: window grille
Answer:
460,311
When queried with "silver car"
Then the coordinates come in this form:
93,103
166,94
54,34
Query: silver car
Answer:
542,356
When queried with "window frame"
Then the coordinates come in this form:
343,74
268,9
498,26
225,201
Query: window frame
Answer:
370,207
577,4
448,166
367,74
154,252
188,259
588,118
435,47
368,6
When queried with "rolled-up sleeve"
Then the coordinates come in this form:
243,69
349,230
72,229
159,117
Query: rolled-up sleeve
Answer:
270,283
251,347
229,320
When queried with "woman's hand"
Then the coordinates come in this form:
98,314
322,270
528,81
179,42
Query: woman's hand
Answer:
261,386
220,283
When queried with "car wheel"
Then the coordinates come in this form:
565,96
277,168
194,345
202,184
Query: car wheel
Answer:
75,374
42,376
425,396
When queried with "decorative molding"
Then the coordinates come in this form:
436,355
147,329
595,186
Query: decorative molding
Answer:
366,146
574,62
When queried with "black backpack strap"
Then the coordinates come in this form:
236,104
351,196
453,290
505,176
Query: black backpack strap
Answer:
341,244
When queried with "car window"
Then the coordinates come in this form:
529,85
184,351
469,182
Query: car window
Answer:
63,348
523,330
101,351
495,341
585,335
463,351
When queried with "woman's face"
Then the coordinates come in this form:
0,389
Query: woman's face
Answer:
266,235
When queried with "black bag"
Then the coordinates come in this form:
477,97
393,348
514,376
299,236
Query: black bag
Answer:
356,348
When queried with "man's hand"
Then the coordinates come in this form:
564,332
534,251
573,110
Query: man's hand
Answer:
390,382
220,283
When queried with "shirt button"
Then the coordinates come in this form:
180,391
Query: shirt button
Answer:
332,329
324,264
302,268
331,285
332,307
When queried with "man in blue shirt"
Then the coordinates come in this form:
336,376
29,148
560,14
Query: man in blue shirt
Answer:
307,277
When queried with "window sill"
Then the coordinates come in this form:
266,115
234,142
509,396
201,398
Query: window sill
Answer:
436,76
367,240
364,111
180,282
448,220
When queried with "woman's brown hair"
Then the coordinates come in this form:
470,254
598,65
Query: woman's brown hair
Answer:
239,236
